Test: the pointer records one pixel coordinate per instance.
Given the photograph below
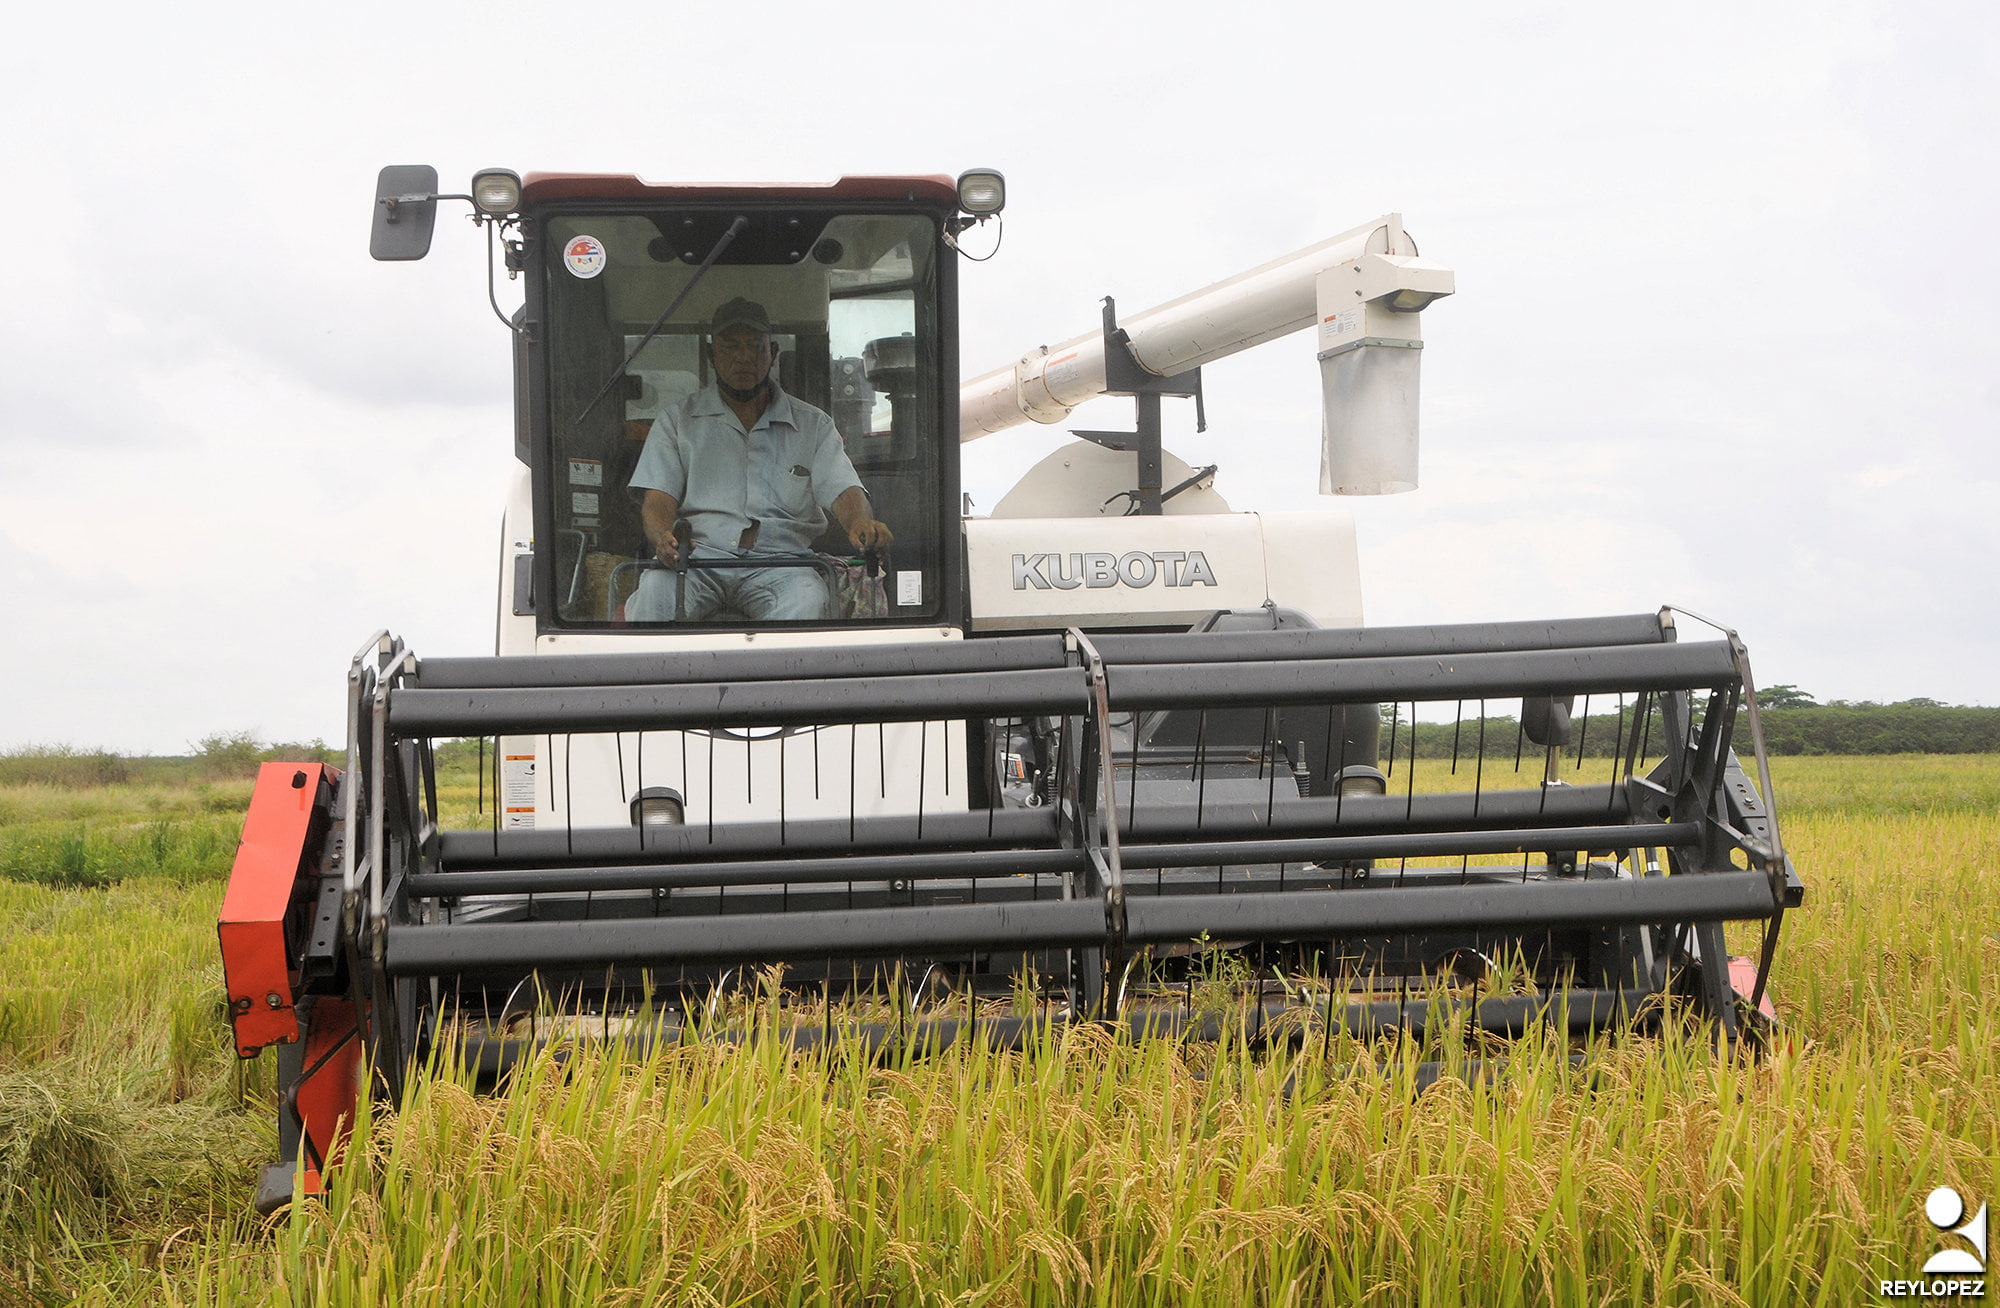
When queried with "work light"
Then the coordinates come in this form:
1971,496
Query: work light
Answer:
496,192
981,191
658,806
1360,779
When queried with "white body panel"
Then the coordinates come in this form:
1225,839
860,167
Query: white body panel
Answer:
749,775
515,633
1045,574
1312,562
1082,480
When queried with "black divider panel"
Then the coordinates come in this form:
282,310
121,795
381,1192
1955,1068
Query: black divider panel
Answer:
1729,896
618,846
1386,642
932,658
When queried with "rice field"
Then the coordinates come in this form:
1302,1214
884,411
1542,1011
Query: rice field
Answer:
1084,1172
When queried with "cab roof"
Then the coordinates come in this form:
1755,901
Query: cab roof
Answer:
543,188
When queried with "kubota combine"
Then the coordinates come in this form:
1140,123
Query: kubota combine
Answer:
1062,751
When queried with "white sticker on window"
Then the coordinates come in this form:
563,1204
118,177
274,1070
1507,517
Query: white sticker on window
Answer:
517,791
909,589
583,501
586,472
584,256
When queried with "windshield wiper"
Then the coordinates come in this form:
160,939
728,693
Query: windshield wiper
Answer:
721,244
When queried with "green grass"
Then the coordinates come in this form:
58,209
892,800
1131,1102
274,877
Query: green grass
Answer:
1085,1172
103,852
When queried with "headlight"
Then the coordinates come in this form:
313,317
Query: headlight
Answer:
496,192
658,806
981,191
1408,301
1360,779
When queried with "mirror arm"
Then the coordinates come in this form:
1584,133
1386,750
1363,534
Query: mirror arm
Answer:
393,202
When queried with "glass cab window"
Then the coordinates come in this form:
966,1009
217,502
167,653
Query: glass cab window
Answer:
646,401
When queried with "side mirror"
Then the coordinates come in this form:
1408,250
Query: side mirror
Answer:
405,212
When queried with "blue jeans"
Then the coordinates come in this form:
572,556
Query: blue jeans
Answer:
793,594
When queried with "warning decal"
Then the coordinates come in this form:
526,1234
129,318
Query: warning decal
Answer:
517,791
1340,324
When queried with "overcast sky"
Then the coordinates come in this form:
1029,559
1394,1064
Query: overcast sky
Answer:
1725,335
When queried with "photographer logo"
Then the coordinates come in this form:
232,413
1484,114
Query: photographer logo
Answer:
1953,1272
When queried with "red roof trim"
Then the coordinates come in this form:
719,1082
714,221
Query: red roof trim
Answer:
541,188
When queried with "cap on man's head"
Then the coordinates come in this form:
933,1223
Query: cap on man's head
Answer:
740,312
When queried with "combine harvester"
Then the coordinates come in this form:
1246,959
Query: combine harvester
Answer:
1056,755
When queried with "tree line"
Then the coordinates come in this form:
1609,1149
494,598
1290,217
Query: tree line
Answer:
1793,724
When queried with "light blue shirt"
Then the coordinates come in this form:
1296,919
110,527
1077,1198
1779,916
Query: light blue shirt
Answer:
785,473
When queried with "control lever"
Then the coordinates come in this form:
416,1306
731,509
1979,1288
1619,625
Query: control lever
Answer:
683,551
683,544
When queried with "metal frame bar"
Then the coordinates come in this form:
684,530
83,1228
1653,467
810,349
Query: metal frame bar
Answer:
929,659
475,948
532,710
972,865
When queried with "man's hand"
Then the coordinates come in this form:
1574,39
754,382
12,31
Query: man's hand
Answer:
863,528
660,513
870,534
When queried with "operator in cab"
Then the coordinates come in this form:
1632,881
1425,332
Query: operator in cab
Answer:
753,472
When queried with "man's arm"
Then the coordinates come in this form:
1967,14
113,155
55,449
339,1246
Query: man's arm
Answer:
658,512
857,516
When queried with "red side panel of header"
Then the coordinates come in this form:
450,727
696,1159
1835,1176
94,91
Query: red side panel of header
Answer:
270,864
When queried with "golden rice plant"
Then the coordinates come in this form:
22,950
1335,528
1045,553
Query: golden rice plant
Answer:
1083,1170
